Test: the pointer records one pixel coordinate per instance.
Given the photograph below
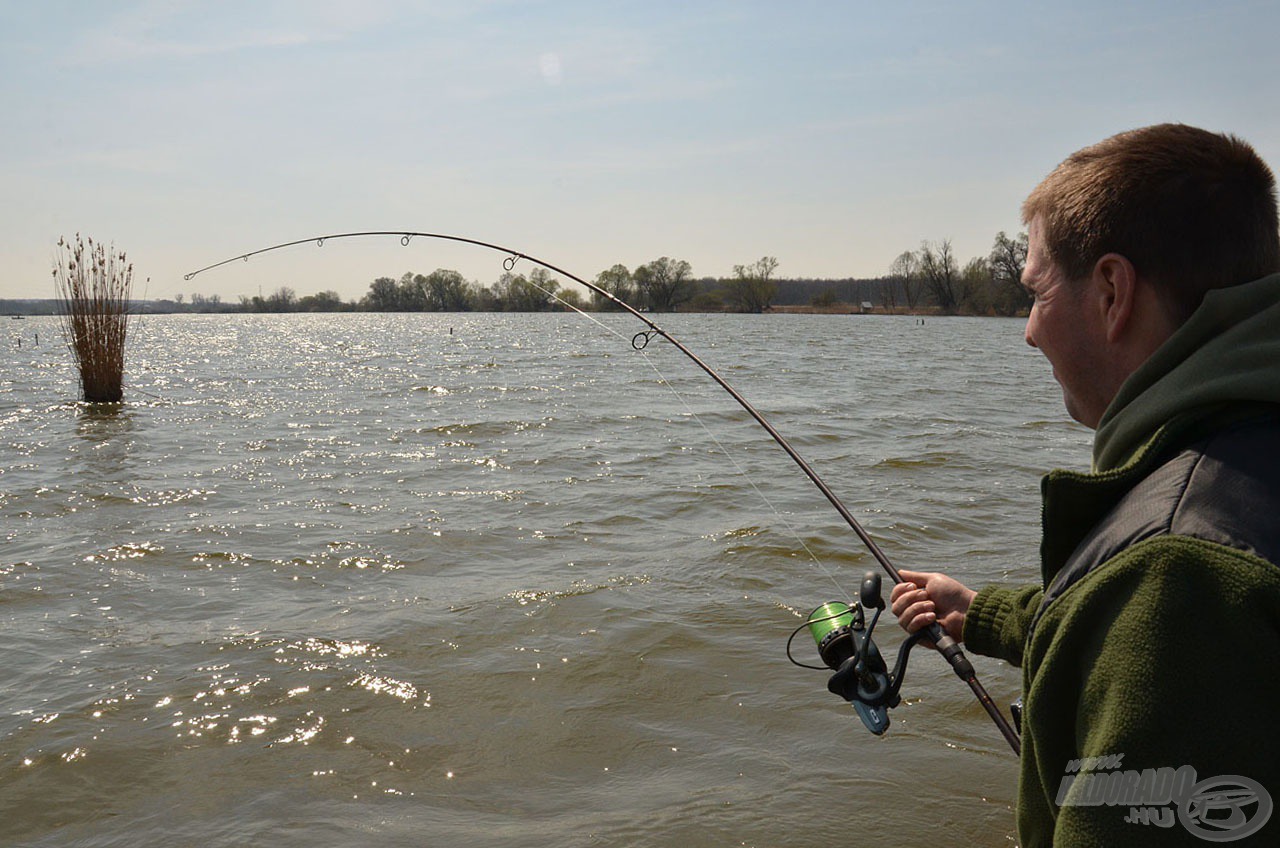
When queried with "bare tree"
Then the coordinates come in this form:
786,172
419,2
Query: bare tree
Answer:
665,282
518,293
904,273
446,291
979,293
940,274
383,296
616,281
1008,259
752,286
283,299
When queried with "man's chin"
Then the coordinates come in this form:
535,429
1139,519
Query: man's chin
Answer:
1074,411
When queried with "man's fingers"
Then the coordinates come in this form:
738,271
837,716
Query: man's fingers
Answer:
904,595
916,577
917,616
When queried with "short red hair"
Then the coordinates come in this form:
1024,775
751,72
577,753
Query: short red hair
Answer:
1192,210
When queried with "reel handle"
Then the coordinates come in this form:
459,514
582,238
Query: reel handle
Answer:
869,592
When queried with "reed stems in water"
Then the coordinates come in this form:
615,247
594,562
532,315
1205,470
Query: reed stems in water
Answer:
93,285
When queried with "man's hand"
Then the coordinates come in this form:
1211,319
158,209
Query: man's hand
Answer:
923,598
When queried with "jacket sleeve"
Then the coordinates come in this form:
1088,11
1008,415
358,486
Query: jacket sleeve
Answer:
999,620
1155,676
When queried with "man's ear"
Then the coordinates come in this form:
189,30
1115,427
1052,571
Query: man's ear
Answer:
1116,285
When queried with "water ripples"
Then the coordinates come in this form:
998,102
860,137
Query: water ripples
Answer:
371,579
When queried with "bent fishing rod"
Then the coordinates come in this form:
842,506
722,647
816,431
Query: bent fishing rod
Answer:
844,640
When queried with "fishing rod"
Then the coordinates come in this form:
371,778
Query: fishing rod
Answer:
844,641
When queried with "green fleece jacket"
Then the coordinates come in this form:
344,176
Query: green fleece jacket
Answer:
1151,652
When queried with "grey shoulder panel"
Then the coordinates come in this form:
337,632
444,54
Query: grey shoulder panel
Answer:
1223,489
1233,495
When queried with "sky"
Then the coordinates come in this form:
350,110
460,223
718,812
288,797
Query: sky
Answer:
832,136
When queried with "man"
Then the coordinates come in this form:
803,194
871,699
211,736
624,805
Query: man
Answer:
1151,649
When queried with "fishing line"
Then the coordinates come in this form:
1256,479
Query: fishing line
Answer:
750,481
665,381
946,646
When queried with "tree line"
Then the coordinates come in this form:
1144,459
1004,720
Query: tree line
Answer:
985,285
928,279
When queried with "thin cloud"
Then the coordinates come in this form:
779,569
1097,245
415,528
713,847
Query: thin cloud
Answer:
192,30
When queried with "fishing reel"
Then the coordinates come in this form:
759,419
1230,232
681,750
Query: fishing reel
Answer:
843,637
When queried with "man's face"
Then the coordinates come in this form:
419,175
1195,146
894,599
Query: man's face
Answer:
1066,326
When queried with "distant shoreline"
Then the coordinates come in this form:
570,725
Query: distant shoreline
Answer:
49,307
851,309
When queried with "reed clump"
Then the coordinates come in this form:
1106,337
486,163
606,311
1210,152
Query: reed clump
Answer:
93,286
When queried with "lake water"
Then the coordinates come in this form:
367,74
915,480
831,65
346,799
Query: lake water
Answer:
491,579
